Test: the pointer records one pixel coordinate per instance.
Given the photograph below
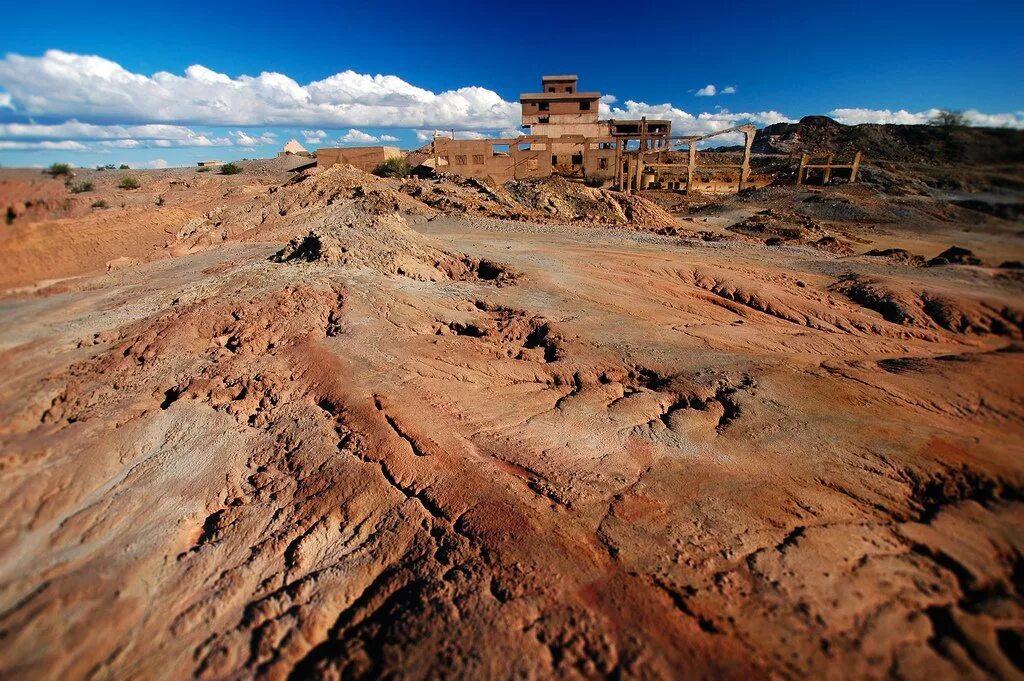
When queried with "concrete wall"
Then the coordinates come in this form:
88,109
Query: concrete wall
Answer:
587,129
364,158
560,110
499,160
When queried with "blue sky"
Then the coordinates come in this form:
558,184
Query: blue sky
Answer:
880,62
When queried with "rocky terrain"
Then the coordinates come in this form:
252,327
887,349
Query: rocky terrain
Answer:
296,424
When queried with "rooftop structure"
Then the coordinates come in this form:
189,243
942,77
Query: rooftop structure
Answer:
293,147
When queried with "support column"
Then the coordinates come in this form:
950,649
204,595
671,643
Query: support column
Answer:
828,168
855,168
618,164
691,162
804,158
748,140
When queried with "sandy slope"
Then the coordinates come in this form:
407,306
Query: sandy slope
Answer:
624,454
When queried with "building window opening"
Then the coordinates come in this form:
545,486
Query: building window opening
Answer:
569,90
499,150
478,159
584,106
577,159
460,160
554,160
602,163
525,146
544,106
551,89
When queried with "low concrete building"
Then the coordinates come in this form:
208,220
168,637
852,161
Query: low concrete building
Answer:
209,164
364,158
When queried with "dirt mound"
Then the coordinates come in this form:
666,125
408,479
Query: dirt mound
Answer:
27,199
897,255
954,255
932,308
904,143
274,166
776,226
387,244
558,198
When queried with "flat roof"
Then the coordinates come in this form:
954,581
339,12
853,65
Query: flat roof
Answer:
563,77
559,95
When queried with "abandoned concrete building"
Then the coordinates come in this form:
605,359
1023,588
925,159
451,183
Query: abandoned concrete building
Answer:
565,135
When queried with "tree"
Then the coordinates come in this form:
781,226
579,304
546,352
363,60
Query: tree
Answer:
129,183
948,119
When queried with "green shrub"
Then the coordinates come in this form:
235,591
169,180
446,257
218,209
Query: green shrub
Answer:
100,203
10,214
394,167
58,169
129,183
81,188
160,200
109,166
230,169
125,166
203,169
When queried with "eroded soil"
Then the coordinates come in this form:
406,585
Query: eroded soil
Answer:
324,428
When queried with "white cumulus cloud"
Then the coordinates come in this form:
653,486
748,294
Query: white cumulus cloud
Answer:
313,136
74,85
708,90
46,145
729,90
903,117
244,139
168,135
685,123
354,136
121,144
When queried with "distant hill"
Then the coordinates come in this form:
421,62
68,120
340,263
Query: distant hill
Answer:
903,143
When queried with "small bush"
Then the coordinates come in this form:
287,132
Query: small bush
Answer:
129,183
394,167
203,169
160,200
58,169
230,169
10,214
109,166
81,188
125,166
100,203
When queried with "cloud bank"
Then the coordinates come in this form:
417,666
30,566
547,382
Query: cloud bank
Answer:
83,86
105,107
